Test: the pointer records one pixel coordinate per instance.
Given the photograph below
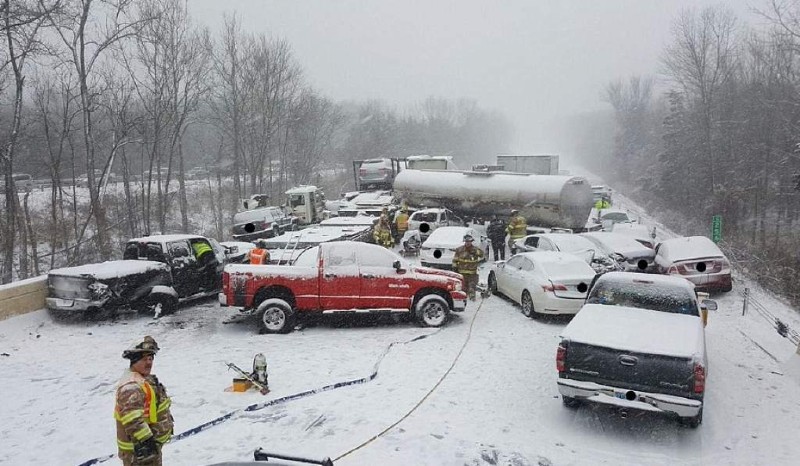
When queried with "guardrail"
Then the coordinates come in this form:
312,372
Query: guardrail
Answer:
22,296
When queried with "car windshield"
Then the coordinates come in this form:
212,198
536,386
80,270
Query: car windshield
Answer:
643,295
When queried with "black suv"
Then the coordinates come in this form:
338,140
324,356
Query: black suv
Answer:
156,273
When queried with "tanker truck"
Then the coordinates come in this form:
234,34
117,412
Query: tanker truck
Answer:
548,201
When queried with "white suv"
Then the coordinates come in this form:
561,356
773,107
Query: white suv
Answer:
428,220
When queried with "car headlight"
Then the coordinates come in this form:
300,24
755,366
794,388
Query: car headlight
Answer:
99,290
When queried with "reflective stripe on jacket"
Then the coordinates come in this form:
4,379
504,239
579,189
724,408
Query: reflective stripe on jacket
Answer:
141,411
517,227
201,248
466,261
402,221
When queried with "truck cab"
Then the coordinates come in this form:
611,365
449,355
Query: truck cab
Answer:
307,203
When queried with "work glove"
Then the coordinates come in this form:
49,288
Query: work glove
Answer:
146,450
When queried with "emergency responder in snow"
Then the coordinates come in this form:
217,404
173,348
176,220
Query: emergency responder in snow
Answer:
144,421
517,228
465,262
382,232
401,223
260,254
496,231
603,203
206,264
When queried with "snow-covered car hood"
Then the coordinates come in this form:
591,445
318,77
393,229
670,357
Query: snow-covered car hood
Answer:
638,330
110,269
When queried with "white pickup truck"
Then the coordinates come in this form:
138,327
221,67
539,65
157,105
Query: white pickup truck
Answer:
637,343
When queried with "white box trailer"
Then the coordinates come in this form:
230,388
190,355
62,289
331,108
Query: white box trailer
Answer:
549,201
534,164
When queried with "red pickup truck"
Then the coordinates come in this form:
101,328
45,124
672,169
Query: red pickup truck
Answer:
341,277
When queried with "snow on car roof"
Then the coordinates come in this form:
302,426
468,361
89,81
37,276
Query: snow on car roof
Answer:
110,269
615,241
164,238
449,236
546,257
302,189
661,280
255,214
689,247
569,242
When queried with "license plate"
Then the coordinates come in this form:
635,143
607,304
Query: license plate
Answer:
64,302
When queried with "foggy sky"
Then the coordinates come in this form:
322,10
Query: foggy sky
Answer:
536,61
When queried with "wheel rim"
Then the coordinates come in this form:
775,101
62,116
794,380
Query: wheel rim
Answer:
274,318
433,313
527,304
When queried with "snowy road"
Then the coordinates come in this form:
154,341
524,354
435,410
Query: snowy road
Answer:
498,405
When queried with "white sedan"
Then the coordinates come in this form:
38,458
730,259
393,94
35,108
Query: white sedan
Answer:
544,282
440,247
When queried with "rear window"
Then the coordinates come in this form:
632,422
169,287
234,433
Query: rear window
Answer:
616,217
643,295
425,217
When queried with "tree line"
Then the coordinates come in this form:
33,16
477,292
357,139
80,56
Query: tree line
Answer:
716,131
137,88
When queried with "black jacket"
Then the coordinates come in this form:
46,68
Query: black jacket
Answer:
496,231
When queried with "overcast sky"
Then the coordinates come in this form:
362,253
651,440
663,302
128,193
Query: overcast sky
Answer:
533,60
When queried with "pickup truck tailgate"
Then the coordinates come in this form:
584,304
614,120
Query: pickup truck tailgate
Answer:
625,369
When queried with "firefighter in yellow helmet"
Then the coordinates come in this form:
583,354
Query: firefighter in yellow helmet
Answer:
517,228
144,421
401,223
465,261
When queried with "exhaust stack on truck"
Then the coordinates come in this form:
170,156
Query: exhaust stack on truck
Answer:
549,201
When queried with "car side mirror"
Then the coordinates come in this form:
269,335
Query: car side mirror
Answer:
709,304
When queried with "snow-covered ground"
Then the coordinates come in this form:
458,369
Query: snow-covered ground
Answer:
482,390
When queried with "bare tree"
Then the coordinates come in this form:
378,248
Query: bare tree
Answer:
22,22
701,59
87,30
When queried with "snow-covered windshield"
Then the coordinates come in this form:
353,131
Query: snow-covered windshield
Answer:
643,295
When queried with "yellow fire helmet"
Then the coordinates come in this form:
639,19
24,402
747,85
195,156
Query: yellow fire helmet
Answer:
147,345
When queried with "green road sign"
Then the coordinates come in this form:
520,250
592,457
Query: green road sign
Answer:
716,228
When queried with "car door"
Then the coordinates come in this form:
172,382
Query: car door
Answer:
509,281
340,284
184,267
382,286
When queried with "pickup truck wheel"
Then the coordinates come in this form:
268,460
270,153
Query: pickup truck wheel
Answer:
493,284
692,422
527,305
276,316
160,305
570,402
432,310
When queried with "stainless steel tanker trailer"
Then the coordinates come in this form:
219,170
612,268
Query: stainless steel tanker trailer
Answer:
548,201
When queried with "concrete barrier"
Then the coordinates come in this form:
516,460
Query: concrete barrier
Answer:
22,296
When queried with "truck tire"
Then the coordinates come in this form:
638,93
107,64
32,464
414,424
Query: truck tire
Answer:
276,316
527,305
431,310
570,402
692,422
159,304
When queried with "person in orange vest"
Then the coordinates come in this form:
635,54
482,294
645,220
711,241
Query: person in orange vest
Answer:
144,421
260,254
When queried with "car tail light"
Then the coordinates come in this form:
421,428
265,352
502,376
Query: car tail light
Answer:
699,378
554,287
226,280
561,356
362,171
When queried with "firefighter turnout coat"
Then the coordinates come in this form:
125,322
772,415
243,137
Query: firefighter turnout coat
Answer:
142,411
466,260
